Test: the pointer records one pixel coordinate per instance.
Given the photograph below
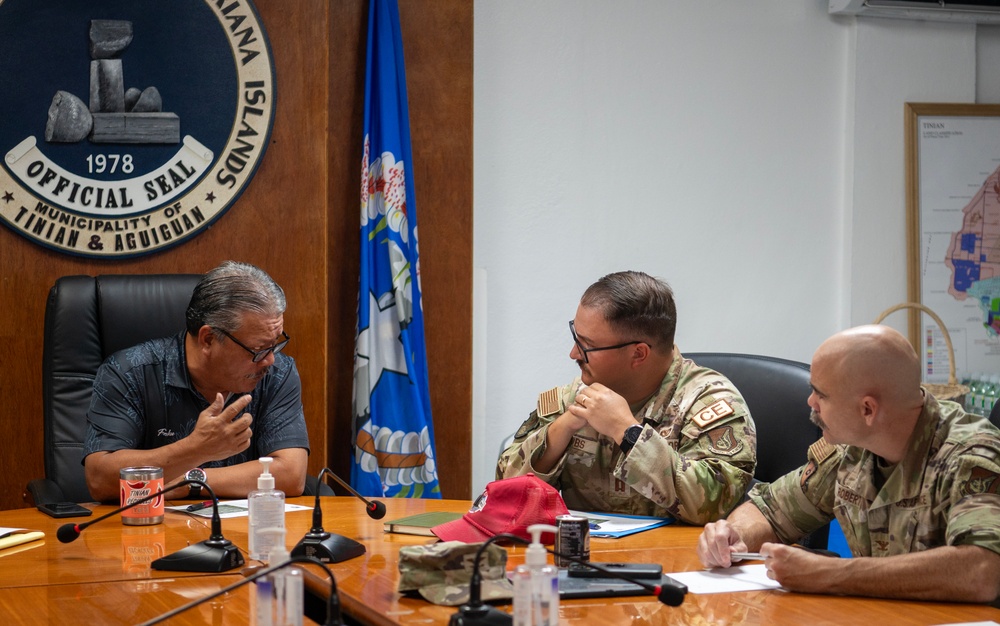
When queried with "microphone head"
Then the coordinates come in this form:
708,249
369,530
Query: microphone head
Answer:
376,510
672,594
68,533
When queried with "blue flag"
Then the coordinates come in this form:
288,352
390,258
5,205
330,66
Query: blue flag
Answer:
393,432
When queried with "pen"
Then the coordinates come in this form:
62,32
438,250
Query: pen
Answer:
757,556
199,506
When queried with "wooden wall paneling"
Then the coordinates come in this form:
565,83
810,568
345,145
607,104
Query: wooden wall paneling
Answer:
279,224
437,40
348,36
438,45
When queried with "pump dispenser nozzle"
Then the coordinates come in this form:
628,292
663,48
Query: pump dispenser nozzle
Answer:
278,552
266,479
287,585
535,555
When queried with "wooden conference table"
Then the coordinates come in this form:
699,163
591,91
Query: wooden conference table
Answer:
104,577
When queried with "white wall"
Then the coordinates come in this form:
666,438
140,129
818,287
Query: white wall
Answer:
750,153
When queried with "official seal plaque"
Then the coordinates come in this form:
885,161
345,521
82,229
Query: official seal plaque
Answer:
129,127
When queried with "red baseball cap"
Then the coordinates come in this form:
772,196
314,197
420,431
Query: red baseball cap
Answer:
511,505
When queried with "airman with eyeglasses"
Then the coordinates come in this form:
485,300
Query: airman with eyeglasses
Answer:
643,430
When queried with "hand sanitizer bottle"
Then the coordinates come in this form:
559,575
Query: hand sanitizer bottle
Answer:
285,584
536,583
267,510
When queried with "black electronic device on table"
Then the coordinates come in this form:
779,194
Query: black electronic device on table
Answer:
64,509
631,570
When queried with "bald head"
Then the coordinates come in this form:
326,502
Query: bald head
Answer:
875,361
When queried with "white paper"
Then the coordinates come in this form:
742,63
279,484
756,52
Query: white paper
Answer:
232,508
728,579
4,531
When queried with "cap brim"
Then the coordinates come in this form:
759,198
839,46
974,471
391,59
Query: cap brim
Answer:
455,595
459,530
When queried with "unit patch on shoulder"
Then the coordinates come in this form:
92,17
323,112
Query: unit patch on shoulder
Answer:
981,481
713,413
724,441
821,450
550,402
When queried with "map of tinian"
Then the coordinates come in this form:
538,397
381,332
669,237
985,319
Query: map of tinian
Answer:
974,253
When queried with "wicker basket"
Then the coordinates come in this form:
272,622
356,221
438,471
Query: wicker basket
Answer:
953,390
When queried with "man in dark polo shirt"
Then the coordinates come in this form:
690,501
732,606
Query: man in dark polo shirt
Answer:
215,397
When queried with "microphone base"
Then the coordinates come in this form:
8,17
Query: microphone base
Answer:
328,548
480,615
202,557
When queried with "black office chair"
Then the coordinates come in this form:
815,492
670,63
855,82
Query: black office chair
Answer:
776,391
995,415
87,319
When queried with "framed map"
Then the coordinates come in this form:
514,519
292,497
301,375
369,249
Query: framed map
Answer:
953,234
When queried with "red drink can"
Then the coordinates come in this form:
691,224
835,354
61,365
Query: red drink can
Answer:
136,484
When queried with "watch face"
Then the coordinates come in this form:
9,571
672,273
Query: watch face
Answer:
196,474
632,434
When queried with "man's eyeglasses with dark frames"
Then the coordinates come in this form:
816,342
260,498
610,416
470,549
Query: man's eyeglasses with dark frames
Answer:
584,351
259,355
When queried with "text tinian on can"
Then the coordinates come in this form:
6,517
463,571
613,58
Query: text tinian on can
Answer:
572,539
138,483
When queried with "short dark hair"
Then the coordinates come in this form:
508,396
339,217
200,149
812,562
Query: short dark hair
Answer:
636,305
228,292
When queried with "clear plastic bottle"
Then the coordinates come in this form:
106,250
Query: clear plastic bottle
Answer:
286,584
972,398
982,392
536,582
990,395
267,510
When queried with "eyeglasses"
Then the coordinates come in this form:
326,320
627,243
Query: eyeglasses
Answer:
584,351
259,355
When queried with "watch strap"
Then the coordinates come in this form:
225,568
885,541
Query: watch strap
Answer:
194,492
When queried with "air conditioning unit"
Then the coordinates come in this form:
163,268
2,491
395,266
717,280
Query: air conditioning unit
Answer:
978,11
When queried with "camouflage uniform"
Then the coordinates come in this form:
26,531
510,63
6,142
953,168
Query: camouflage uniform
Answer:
945,491
441,572
693,461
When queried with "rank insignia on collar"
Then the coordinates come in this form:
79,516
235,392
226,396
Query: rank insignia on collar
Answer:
549,402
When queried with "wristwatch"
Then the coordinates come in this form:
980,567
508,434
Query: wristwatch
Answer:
630,437
197,473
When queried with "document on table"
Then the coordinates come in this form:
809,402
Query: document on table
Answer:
727,579
232,508
614,526
16,536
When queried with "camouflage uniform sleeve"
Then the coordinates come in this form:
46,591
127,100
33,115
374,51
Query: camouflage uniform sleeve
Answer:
529,440
972,487
707,475
801,501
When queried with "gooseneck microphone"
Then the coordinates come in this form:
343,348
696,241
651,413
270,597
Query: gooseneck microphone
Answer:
69,532
329,547
374,508
215,554
478,613
333,617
